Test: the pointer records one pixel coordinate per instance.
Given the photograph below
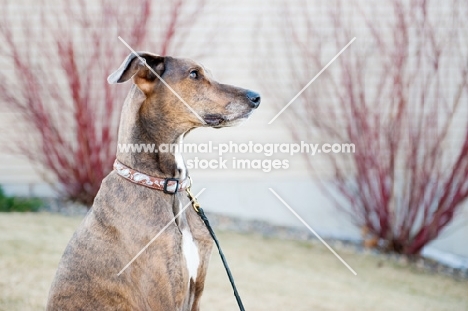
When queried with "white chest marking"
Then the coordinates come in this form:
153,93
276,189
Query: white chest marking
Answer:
190,250
180,160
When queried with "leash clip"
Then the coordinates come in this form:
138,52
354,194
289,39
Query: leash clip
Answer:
192,198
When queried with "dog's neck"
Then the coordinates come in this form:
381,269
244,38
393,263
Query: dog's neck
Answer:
137,131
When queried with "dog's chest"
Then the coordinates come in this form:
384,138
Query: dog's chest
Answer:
190,249
191,254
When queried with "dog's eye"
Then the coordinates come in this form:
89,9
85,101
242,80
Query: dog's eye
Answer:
194,74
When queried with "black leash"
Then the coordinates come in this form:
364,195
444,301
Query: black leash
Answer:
201,213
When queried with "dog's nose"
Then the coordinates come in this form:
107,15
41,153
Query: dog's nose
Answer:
254,99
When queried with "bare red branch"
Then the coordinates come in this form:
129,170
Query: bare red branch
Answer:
60,57
397,95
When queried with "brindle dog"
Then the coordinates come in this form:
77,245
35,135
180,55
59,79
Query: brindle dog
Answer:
169,275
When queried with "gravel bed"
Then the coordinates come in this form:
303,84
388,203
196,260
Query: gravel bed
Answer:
227,223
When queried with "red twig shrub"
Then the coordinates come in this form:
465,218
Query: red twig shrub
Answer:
59,58
399,94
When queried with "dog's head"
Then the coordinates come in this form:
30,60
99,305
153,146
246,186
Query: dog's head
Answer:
185,91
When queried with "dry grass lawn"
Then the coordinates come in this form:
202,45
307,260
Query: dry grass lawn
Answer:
271,274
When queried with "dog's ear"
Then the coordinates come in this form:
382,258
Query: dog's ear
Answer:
137,67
